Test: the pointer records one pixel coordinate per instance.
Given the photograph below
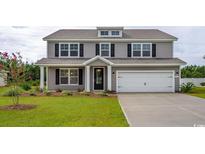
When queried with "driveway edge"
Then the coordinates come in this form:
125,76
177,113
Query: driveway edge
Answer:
124,112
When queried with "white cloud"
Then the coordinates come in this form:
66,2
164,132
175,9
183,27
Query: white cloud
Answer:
28,40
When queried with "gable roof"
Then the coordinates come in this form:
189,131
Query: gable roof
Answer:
91,34
98,58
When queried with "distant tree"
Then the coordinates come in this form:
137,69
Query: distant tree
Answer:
193,71
32,72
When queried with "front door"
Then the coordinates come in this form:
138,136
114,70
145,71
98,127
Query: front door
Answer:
98,79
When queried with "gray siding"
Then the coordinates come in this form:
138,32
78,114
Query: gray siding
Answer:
164,49
176,69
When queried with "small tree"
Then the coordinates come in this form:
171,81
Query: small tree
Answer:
13,65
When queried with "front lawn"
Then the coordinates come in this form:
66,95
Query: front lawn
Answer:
65,111
198,92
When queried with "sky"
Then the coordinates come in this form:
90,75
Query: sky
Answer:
190,46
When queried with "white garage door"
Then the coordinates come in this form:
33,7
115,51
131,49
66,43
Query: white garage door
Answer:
152,81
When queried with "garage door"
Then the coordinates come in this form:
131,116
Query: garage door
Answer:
151,81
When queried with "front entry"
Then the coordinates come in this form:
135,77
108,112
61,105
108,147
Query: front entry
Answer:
98,79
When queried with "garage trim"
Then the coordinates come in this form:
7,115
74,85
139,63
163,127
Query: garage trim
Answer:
151,71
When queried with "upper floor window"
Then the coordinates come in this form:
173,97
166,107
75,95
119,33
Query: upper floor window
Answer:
141,49
104,33
115,33
69,49
110,33
105,49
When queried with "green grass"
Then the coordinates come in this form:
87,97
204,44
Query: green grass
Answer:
65,111
198,92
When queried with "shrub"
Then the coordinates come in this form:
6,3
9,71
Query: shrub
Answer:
25,86
80,90
37,89
58,90
187,87
202,84
104,93
67,93
110,92
11,93
85,93
47,93
36,83
32,93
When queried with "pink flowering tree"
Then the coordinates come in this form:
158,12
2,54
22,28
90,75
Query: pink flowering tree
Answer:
14,67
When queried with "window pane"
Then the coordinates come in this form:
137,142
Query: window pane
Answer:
146,53
73,49
136,47
74,80
115,32
137,53
146,48
103,32
63,72
73,72
104,46
73,53
104,53
64,80
64,49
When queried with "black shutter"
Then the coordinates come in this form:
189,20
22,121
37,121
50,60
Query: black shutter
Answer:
112,50
97,49
80,76
57,76
56,50
129,52
81,50
153,50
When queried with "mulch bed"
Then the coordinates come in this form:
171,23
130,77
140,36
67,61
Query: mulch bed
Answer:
18,107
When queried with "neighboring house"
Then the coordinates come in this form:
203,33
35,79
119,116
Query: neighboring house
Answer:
3,76
111,58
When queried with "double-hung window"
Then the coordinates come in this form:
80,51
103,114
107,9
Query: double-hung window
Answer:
141,50
64,49
146,50
136,50
115,33
105,49
69,49
69,76
104,33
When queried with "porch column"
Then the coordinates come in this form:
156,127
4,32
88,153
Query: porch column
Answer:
109,78
41,77
46,78
87,78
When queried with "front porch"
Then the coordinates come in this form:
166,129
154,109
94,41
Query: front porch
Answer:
93,75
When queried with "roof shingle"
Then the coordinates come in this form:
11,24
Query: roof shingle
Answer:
92,34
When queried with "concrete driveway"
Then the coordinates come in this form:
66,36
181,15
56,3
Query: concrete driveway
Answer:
163,110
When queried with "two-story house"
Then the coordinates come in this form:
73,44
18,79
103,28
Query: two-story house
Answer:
111,58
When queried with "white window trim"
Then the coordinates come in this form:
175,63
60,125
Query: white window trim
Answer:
109,49
141,56
68,76
69,50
